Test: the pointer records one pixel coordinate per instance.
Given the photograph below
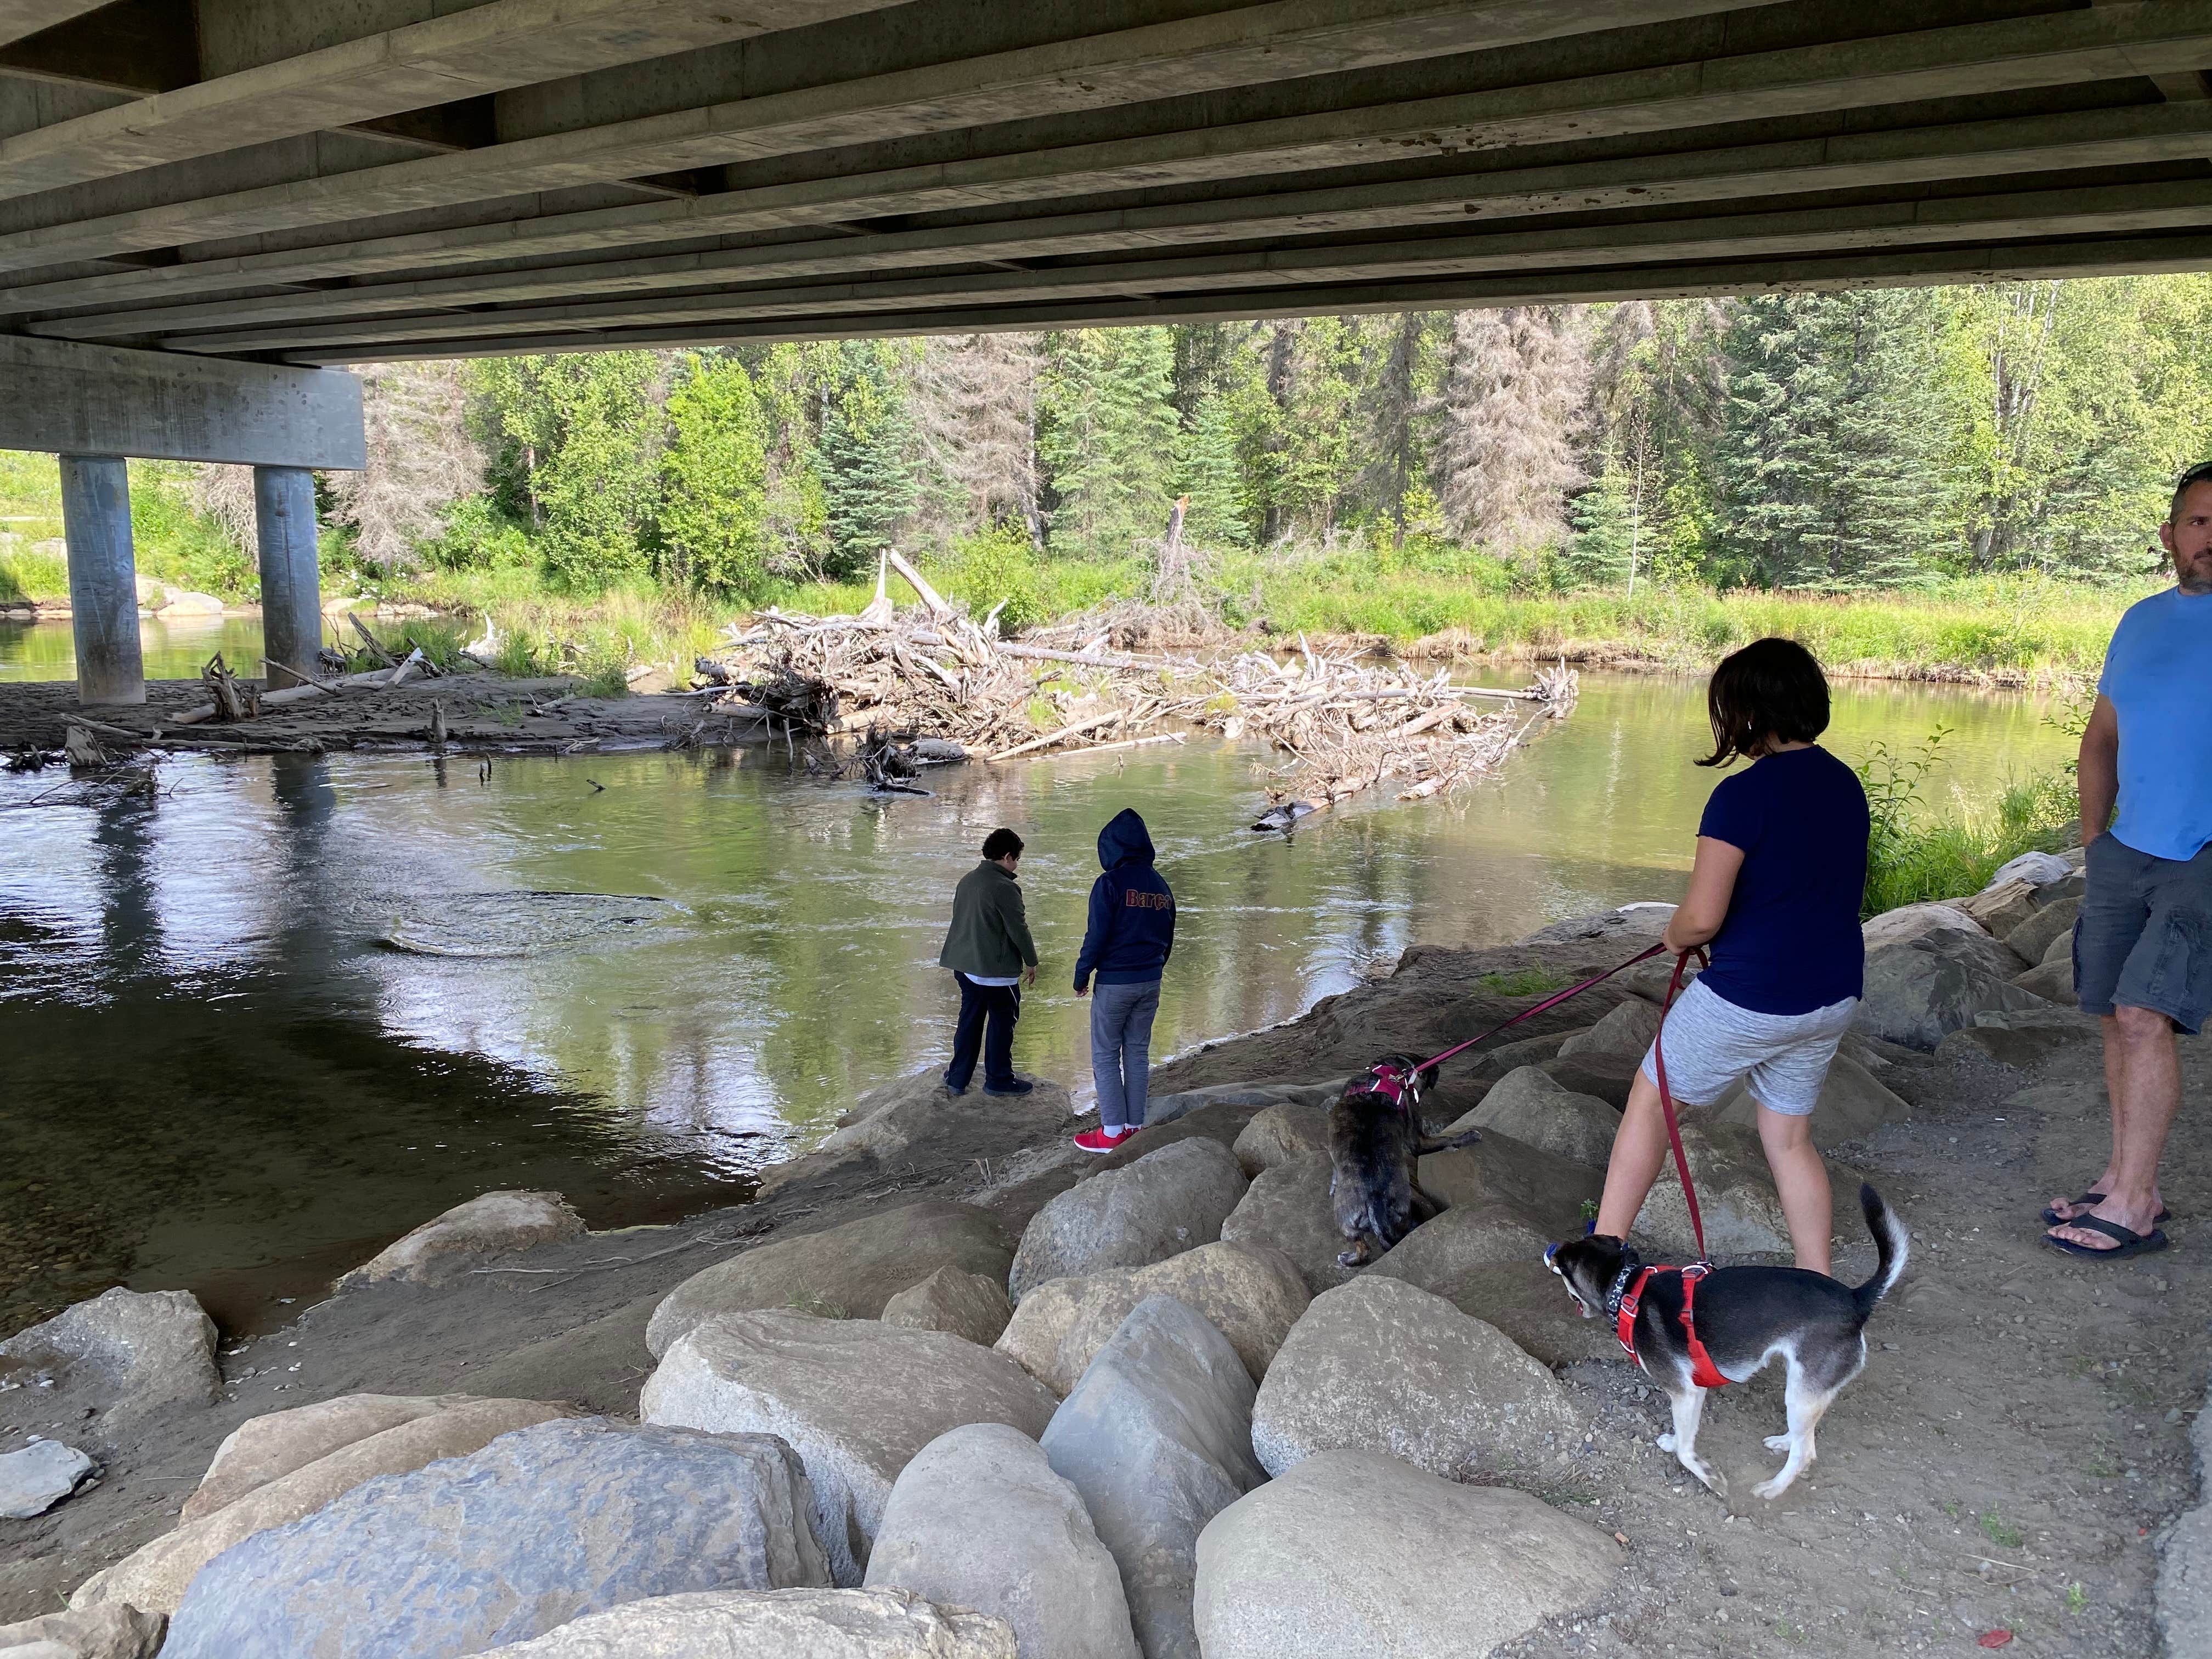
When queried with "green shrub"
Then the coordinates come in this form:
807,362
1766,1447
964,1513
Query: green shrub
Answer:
999,568
1912,859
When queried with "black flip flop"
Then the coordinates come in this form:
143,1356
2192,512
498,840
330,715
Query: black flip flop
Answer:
2130,1242
2089,1200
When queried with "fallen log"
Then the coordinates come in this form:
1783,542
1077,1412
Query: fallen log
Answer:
1065,732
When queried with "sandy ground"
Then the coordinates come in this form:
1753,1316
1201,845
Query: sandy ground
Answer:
2006,1463
484,712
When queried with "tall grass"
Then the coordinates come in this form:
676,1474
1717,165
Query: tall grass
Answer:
1914,855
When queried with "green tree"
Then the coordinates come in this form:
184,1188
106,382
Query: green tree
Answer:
1828,458
866,452
714,482
1106,435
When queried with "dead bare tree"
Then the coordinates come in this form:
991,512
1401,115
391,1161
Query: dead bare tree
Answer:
975,410
421,457
1512,406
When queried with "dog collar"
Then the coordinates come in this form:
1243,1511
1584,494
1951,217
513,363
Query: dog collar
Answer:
1619,1289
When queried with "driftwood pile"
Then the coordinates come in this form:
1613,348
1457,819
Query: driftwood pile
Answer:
934,676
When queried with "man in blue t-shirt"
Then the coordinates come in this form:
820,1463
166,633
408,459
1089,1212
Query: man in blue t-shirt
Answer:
2142,946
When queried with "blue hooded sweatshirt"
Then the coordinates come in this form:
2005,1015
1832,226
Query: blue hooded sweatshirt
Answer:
1132,928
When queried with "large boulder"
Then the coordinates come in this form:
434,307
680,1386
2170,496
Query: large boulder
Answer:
157,1575
890,1122
270,1446
1920,990
95,1633
1281,1132
2044,927
1852,1105
1912,922
856,1398
963,1303
1549,1190
1736,1198
1251,1293
1289,1209
540,1527
844,1272
1604,1073
1356,1553
791,1623
1525,1304
1530,1106
1641,922
1157,1440
2002,906
2052,981
36,1477
135,1350
487,1227
2054,1033
1379,1365
1164,1203
979,1520
1465,1237
2040,871
1627,1029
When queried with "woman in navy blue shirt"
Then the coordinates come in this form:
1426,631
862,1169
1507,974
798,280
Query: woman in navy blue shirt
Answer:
1775,891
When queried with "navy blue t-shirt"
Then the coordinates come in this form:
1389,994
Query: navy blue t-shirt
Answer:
1791,942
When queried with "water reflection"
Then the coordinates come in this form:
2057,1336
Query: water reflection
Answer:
210,1061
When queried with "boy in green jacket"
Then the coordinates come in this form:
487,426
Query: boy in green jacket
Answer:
990,953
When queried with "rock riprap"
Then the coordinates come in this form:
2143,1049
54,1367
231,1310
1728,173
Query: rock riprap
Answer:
157,1575
1462,1239
94,1634
979,1520
963,1303
793,1623
1280,1132
844,1272
891,1121
539,1528
1356,1552
856,1398
139,1350
269,1447
1627,1028
1530,1105
1164,1203
1157,1440
1377,1366
41,1475
487,1227
1251,1293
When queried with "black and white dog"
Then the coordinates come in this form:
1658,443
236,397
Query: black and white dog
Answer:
1741,1319
1375,1140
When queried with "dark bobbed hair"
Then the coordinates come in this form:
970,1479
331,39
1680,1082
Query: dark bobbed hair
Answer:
2200,473
1770,687
1002,843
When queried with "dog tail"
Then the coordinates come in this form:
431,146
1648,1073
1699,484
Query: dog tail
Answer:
1892,1248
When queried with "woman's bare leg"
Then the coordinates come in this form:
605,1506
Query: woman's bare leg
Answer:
1639,1148
1802,1179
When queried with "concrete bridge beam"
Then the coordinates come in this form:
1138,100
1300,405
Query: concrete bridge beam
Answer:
103,585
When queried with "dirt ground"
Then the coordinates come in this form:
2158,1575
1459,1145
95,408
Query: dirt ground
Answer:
2007,1463
482,712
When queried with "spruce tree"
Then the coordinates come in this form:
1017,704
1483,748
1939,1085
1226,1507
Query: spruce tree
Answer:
1107,437
867,462
1827,461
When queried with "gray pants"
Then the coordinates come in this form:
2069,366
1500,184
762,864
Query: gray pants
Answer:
1121,1048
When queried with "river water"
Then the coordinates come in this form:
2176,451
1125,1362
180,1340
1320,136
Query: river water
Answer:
254,1028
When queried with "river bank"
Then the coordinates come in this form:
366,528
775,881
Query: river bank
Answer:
2010,1461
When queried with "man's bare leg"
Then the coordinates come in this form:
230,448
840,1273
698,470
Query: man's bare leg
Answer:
2147,1095
2116,1091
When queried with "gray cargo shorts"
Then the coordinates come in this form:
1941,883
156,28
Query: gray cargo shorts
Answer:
2144,936
1712,1045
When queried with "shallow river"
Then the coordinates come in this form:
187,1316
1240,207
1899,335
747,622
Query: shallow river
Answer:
218,1069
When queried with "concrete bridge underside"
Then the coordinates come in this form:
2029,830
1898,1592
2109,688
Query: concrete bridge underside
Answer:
259,188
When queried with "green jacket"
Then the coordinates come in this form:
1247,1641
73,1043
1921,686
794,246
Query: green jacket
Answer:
990,934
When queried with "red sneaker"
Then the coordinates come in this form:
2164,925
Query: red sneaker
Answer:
1101,1140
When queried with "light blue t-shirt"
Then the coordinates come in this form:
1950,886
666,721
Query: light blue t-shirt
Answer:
2158,674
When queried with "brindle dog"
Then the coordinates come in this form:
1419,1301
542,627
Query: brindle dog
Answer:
1375,1136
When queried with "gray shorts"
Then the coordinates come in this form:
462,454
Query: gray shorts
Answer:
2144,936
1711,1044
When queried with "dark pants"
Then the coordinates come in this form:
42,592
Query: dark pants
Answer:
988,1013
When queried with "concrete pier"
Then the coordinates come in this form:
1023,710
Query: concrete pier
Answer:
103,589
291,596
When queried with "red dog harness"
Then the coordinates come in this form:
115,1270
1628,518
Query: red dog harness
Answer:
1703,1371
1391,1083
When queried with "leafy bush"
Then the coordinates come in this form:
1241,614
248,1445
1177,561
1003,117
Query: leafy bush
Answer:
1912,859
998,567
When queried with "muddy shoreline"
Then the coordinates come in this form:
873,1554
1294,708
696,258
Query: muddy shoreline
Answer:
2011,1459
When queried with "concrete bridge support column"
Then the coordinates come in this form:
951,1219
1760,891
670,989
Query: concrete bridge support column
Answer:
291,593
103,585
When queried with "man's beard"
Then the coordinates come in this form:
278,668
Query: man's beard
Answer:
2195,575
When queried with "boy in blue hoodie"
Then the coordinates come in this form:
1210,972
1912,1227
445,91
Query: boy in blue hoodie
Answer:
1127,945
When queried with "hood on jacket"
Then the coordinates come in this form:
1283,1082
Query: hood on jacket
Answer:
1123,840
